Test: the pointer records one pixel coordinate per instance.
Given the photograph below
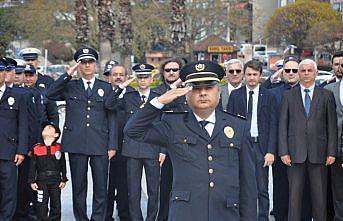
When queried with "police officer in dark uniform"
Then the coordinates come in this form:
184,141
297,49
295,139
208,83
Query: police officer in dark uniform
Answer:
48,109
88,134
213,171
13,143
140,154
117,183
107,70
30,55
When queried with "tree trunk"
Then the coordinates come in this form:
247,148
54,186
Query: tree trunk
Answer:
82,25
106,31
178,26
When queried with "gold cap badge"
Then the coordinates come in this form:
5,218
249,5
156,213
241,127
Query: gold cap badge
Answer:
229,132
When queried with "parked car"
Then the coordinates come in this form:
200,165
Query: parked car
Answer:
323,76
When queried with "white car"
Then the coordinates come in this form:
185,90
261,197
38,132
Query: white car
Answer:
323,76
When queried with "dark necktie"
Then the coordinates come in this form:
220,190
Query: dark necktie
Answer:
0,94
203,124
307,101
249,114
89,90
143,99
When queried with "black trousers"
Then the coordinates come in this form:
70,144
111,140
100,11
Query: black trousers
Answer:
117,189
8,189
165,188
337,188
317,174
78,169
134,177
280,194
25,193
46,192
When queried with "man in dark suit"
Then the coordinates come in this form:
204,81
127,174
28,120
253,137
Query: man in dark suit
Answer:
234,77
337,74
212,160
88,132
307,140
258,105
30,55
13,143
140,154
170,73
336,168
117,181
280,180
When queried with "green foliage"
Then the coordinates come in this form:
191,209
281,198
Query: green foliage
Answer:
7,29
291,24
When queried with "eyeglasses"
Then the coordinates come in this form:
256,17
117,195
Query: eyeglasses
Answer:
171,69
238,71
289,70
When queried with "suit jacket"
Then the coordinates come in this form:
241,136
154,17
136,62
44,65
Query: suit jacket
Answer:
88,127
14,124
266,116
224,95
178,105
198,160
131,103
335,89
313,137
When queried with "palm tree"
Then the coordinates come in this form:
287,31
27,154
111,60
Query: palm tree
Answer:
178,26
81,21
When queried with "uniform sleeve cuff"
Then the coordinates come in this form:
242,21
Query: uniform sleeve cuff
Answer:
154,102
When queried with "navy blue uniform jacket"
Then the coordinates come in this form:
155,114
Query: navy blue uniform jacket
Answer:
88,127
266,116
213,178
14,132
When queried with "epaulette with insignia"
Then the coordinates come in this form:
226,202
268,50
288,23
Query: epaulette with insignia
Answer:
235,115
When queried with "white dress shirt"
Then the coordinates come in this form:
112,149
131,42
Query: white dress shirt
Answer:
146,94
253,123
211,119
2,90
311,88
85,83
230,88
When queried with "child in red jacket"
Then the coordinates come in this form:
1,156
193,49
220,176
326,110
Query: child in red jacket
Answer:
47,174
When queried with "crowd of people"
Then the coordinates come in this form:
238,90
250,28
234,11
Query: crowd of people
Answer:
206,148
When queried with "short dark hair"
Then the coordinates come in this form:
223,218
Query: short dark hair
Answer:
336,55
253,64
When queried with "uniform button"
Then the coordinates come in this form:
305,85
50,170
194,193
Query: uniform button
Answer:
211,184
210,171
209,146
185,140
88,108
176,198
131,112
88,124
231,144
235,205
88,116
89,101
210,158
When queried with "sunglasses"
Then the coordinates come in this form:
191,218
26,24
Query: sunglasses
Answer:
238,71
289,70
171,69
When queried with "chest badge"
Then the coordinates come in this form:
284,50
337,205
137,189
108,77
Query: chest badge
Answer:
11,101
229,132
101,92
58,155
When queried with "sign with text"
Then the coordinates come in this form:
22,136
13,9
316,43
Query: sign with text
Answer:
220,49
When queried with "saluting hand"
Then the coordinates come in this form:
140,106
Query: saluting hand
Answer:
34,186
176,83
18,159
127,82
172,94
72,69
